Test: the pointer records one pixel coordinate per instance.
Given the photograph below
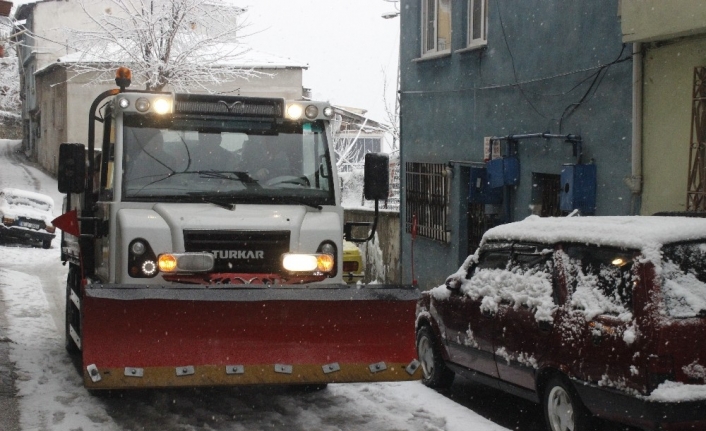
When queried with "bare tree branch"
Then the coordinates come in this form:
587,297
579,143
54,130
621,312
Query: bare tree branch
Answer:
187,44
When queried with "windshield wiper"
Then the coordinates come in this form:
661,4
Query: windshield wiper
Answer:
241,176
223,202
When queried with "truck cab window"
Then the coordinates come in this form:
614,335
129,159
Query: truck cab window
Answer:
253,161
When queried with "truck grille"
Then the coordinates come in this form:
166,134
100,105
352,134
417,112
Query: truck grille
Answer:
229,105
240,251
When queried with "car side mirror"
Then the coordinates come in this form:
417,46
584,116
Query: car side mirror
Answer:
453,283
72,168
377,176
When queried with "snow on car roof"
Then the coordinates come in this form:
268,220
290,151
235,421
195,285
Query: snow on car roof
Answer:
28,195
645,233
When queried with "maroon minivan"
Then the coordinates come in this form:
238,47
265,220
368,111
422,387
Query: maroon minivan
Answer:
589,316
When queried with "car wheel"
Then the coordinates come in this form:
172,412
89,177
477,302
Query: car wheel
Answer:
435,373
73,280
46,243
563,409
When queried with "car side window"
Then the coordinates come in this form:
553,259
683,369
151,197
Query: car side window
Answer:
600,279
522,277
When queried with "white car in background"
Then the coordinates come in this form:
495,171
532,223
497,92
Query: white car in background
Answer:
26,217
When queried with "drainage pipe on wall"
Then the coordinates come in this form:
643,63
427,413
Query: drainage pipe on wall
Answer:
634,182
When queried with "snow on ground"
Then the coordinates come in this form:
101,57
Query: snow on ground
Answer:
51,395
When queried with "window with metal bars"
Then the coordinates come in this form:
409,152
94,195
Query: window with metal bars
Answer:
427,198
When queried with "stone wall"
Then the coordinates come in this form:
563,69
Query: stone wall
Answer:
388,243
10,127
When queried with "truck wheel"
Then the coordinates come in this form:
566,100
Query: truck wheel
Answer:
563,409
73,280
46,243
435,373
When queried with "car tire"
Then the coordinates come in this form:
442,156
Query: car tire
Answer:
73,281
563,409
46,243
435,373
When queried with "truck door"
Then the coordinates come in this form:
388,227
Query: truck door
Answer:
524,319
104,167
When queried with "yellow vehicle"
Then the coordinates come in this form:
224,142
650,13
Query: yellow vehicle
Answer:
352,263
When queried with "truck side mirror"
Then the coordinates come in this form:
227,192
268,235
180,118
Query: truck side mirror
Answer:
377,176
72,168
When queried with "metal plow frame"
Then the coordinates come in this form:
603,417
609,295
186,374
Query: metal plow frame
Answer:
166,336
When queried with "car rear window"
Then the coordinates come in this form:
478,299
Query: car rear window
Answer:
28,200
684,279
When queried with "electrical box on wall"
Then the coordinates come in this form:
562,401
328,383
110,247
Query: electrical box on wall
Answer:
503,172
578,188
479,190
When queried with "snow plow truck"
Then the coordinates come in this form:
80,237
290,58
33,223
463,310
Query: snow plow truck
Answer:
204,238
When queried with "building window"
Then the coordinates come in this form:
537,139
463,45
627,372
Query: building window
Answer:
436,26
477,23
427,197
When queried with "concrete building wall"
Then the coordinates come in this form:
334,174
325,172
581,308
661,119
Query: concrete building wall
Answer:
648,20
549,66
667,106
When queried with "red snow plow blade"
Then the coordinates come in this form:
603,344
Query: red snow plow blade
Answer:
135,337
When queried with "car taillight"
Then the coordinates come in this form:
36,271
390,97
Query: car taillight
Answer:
350,266
8,221
49,228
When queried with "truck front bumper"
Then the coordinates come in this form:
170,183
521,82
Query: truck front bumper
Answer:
137,336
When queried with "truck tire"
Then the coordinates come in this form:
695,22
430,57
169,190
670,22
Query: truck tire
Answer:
73,281
46,243
435,373
563,409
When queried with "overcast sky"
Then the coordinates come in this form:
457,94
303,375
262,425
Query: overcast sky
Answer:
348,45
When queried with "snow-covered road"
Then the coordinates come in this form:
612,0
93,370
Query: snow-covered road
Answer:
51,395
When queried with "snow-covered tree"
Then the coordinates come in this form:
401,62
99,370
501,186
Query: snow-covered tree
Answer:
187,44
10,104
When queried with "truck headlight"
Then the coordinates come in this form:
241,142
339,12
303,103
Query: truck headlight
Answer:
185,262
141,260
317,262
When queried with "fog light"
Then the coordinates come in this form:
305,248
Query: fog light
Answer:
138,248
167,263
294,112
162,106
142,104
324,262
149,268
311,112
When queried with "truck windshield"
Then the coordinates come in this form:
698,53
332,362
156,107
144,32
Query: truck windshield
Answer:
226,160
684,279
